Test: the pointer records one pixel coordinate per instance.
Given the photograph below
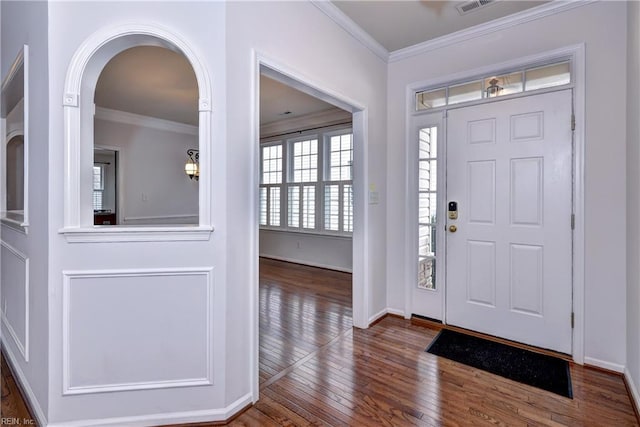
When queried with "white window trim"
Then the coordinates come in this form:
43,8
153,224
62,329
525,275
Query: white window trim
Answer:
323,137
84,69
21,225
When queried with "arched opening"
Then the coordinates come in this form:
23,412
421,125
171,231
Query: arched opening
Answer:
83,96
146,120
15,174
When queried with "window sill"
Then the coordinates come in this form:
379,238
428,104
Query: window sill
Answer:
15,222
115,234
308,232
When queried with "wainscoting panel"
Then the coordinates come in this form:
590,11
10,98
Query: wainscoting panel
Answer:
137,329
15,296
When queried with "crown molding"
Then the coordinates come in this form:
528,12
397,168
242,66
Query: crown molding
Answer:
329,117
347,24
144,121
519,18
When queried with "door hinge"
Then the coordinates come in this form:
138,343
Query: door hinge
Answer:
573,122
573,320
573,221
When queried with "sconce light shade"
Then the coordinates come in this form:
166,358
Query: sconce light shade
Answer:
192,167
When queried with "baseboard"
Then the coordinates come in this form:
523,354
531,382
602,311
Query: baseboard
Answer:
614,367
633,391
23,384
309,263
378,316
399,313
212,416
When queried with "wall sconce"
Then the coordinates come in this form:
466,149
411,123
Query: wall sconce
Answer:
192,167
493,90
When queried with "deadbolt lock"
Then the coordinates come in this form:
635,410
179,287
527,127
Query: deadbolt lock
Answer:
453,228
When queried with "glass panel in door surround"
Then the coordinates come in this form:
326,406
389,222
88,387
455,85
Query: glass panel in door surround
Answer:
548,76
427,206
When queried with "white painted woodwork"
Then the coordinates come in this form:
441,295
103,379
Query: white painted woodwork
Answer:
420,301
103,352
509,262
14,276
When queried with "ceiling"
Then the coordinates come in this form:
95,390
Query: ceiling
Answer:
151,81
277,99
399,24
158,82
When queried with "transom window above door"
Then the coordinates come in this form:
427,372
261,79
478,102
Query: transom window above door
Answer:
508,83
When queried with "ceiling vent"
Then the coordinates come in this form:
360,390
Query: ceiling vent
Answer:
470,6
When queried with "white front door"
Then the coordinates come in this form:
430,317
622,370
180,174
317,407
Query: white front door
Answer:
509,168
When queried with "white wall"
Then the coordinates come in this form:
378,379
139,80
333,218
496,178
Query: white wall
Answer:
633,198
602,27
154,188
138,280
24,256
318,250
303,39
333,60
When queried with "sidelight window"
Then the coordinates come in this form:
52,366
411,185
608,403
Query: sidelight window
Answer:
427,206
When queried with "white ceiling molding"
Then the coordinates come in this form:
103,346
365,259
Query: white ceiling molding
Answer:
144,121
330,117
347,24
499,24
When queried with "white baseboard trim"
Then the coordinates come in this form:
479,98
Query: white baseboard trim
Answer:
395,312
163,419
631,385
23,384
603,364
309,263
377,316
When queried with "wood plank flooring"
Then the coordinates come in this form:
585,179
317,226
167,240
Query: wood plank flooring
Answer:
12,404
316,370
382,376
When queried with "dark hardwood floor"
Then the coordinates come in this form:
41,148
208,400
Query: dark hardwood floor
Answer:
12,404
316,370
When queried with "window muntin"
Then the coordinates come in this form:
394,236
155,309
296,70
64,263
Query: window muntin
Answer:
427,206
517,81
318,186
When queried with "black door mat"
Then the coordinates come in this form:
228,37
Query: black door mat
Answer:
534,369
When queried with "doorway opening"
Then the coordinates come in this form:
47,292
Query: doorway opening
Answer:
311,227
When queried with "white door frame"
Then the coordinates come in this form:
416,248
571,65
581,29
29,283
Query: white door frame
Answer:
576,54
283,73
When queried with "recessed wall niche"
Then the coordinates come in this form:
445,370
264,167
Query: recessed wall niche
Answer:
14,111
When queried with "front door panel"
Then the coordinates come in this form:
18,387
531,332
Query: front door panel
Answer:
509,259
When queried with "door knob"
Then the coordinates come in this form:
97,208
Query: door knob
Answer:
453,228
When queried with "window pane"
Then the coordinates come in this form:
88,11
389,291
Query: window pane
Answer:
503,85
97,200
98,178
274,206
309,207
263,206
548,76
332,207
431,99
428,143
426,273
340,157
347,203
294,207
465,92
305,161
426,240
272,164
